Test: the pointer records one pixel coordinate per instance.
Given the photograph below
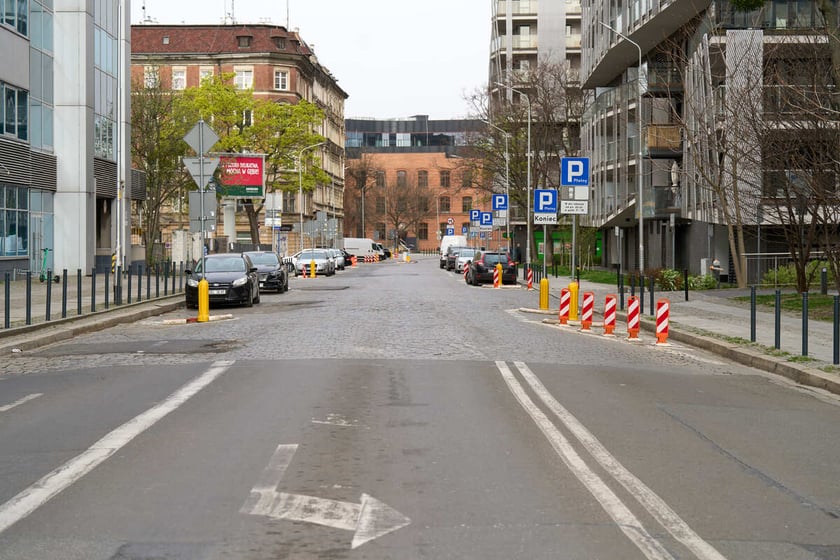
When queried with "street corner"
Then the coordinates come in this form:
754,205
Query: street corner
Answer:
191,320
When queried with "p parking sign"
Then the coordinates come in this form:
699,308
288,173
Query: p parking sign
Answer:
574,172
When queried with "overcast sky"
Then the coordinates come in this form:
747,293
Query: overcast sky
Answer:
395,58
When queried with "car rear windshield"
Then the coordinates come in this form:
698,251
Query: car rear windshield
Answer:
263,258
226,264
494,258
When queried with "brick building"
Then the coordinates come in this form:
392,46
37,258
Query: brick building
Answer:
421,164
278,65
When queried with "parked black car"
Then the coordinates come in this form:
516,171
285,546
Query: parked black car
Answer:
232,278
274,275
481,268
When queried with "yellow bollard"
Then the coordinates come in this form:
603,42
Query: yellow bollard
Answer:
573,304
312,268
544,294
203,301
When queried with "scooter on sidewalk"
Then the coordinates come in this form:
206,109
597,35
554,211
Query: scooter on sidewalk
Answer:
43,276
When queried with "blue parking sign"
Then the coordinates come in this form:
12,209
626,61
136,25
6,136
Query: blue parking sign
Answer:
450,231
574,172
487,218
464,229
500,202
545,201
475,215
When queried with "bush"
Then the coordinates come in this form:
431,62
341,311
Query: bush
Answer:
669,280
704,282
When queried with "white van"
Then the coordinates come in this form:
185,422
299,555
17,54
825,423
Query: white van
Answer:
361,247
448,241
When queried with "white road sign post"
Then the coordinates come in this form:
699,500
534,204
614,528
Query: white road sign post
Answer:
574,173
201,138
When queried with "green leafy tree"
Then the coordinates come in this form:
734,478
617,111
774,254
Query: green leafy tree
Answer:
245,124
156,148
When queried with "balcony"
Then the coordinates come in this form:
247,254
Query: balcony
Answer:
524,42
518,8
663,139
666,201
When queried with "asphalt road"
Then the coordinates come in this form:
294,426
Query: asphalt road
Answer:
392,411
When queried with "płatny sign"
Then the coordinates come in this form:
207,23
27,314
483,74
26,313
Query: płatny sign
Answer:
242,176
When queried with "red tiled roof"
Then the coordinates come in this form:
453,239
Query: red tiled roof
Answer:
213,39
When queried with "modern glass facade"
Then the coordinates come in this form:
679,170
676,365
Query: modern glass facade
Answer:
106,55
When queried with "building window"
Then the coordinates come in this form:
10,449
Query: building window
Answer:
380,204
247,118
401,179
380,178
14,221
380,231
466,179
14,115
281,80
422,178
443,204
179,78
423,231
243,78
151,76
243,41
204,73
280,42
289,199
166,39
15,15
444,179
466,204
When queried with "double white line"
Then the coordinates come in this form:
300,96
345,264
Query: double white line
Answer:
612,504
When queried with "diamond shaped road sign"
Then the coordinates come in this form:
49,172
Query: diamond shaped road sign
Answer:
201,137
194,166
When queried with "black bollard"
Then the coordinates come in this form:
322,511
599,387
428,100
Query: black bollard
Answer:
139,282
752,313
685,283
641,294
7,298
28,298
621,291
48,306
836,356
778,320
128,284
64,294
804,323
118,287
93,290
78,291
652,296
107,288
148,282
157,280
824,281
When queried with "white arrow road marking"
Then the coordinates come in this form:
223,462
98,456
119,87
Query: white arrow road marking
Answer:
64,476
655,505
19,402
369,520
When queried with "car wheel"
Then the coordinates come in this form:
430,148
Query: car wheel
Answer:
257,299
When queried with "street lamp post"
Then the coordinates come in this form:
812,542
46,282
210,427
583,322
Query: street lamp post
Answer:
639,177
300,185
507,177
528,202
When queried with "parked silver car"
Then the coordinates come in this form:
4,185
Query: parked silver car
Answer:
324,263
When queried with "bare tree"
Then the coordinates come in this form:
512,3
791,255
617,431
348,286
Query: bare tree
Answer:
360,175
556,103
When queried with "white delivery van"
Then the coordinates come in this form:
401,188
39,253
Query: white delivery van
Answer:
448,241
361,247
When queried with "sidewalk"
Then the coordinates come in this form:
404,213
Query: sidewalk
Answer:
712,320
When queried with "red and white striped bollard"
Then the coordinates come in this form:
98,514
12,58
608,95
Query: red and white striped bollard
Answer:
530,278
565,302
663,311
633,318
609,314
587,311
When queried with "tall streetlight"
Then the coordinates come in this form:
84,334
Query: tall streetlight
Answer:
528,203
300,185
639,194
507,176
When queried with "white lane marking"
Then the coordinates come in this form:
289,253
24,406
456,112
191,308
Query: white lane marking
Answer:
615,508
19,402
368,520
64,476
655,505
